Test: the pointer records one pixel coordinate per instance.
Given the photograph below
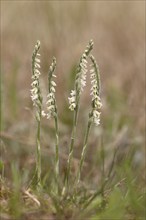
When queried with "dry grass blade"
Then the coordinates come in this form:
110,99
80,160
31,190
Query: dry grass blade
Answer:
29,195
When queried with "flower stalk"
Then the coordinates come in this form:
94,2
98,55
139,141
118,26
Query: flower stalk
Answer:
52,112
37,102
94,115
80,83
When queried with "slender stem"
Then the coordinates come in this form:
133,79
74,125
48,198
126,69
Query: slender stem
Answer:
57,149
103,167
38,162
83,151
71,146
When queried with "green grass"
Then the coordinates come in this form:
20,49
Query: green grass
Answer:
122,197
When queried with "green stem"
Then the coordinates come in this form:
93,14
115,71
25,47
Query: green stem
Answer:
103,167
71,146
83,151
57,150
38,162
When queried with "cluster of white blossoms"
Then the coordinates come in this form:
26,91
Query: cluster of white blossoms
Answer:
51,101
80,81
95,91
72,100
35,91
81,76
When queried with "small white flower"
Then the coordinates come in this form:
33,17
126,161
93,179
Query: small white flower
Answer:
34,83
51,108
96,121
37,60
72,106
37,65
34,97
43,114
50,100
72,100
73,92
53,83
97,102
96,117
96,114
48,115
52,89
83,83
50,95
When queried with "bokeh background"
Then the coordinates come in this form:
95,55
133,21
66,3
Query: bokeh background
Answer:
64,29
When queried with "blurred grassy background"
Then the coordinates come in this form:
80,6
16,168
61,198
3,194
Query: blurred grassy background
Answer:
64,29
